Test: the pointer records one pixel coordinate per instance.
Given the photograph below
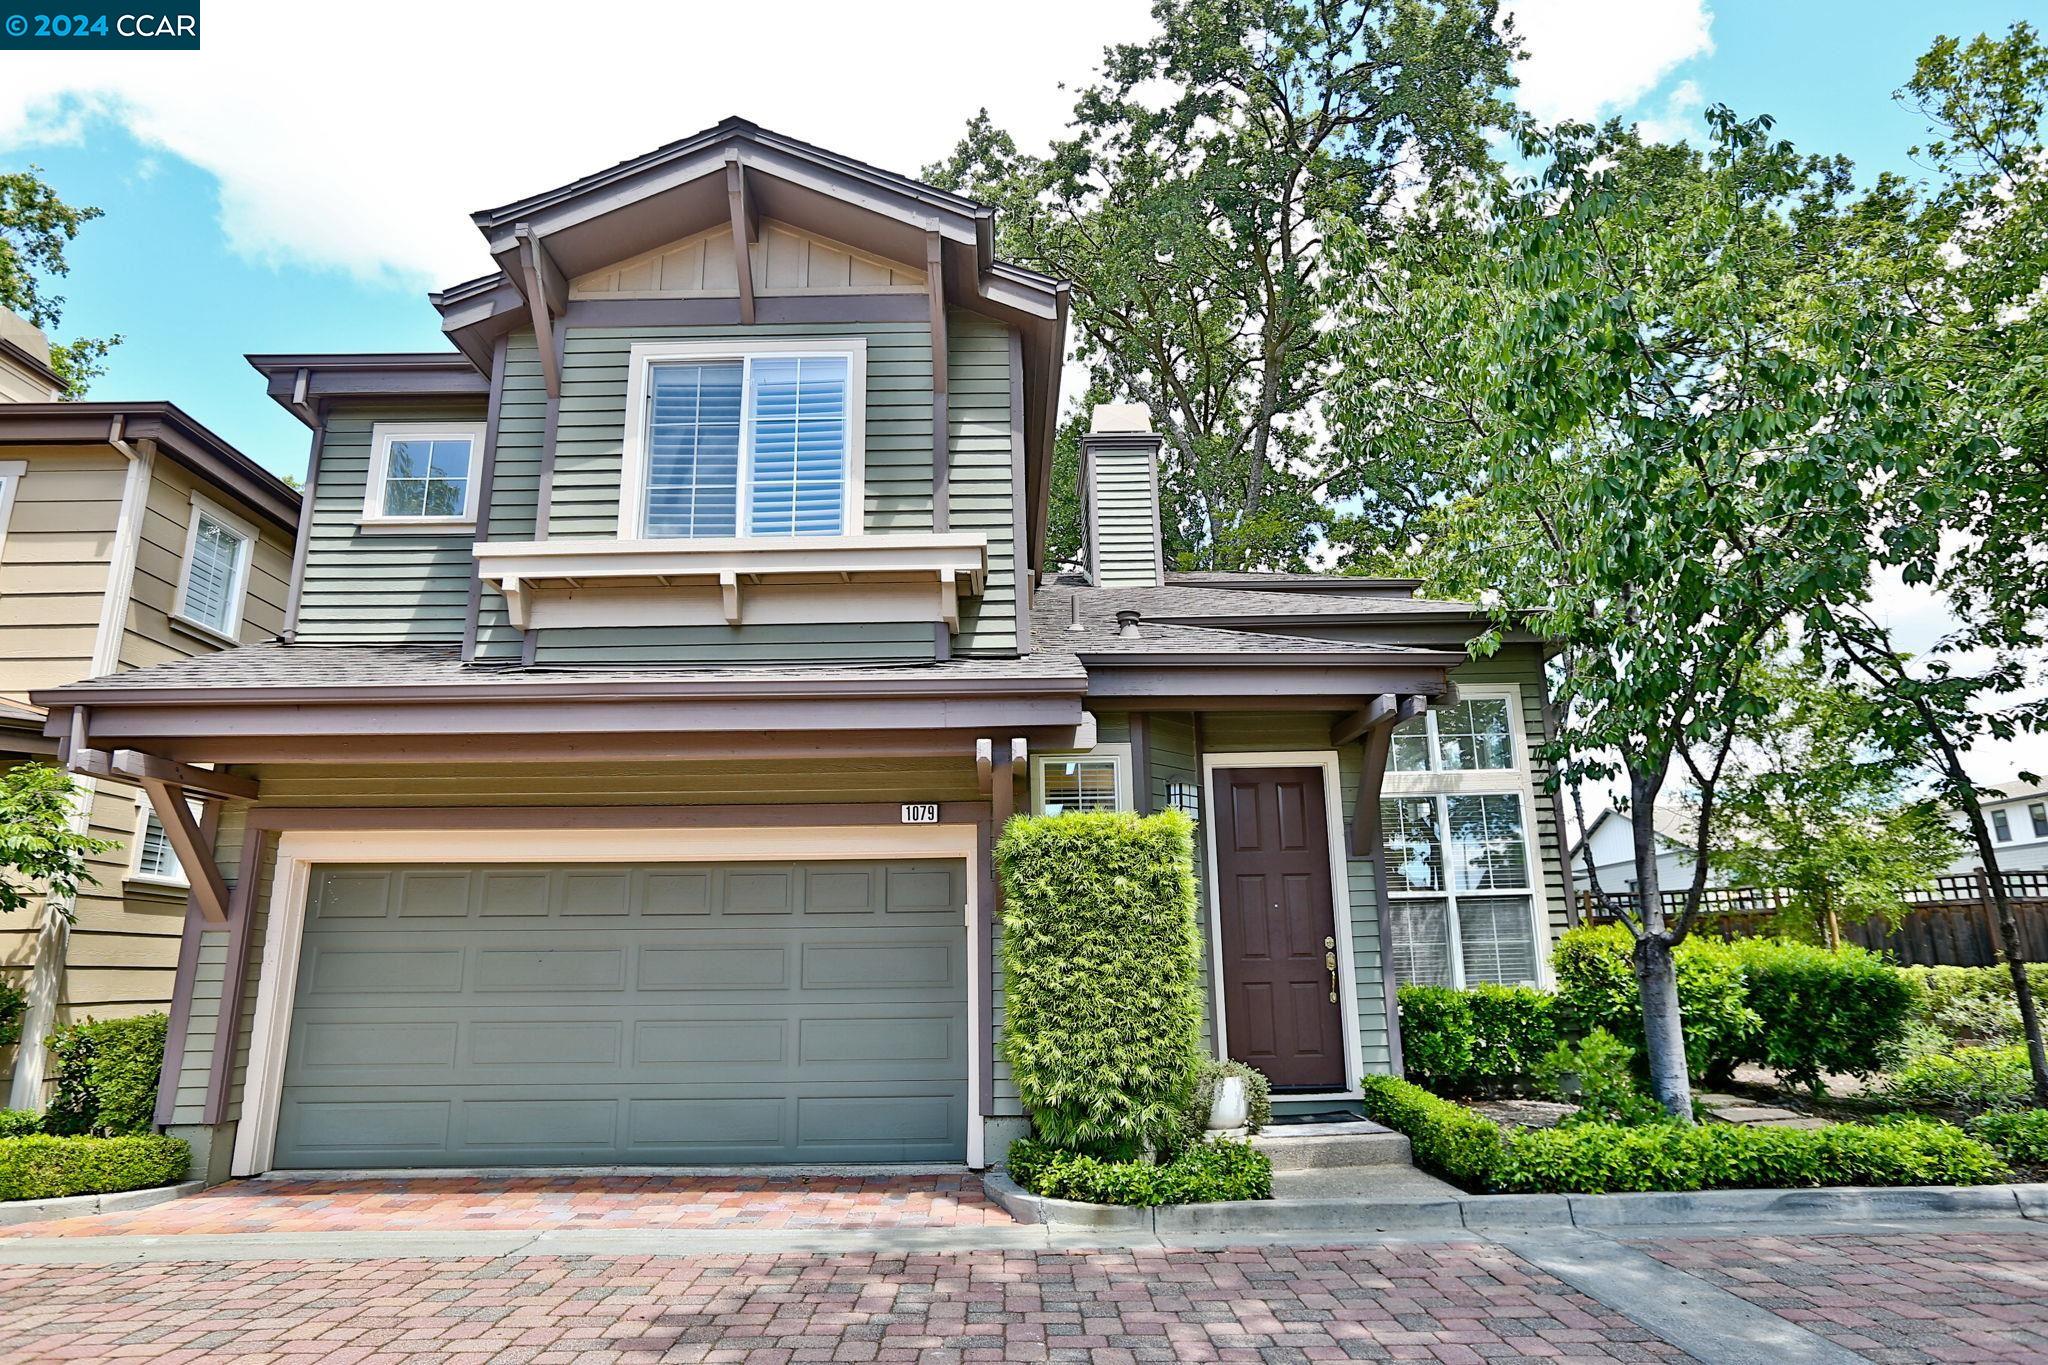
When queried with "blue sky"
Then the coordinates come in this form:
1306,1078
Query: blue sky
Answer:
217,242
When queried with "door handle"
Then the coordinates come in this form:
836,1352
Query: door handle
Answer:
1330,962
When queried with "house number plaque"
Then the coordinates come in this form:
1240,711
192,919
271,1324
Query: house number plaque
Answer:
921,813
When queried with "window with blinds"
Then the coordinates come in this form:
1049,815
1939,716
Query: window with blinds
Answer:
1440,848
1078,784
213,574
751,446
154,856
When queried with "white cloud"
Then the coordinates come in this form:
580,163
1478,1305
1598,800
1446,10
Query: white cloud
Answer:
1680,120
1591,58
362,138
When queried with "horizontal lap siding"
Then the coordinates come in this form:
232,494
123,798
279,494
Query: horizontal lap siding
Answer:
515,483
881,643
365,587
778,781
53,564
981,494
153,637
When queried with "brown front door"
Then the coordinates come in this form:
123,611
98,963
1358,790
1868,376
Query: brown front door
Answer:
1279,926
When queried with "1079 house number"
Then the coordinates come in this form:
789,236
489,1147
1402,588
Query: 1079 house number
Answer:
921,813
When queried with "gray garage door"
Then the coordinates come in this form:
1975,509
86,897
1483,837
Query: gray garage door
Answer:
601,1015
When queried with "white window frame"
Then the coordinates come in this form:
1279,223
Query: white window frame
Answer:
382,434
642,358
1118,754
229,631
2037,817
144,813
2001,826
1517,780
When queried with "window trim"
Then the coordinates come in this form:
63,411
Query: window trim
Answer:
1532,873
1118,754
382,434
229,631
635,464
2037,816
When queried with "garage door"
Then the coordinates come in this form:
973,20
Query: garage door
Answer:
609,1015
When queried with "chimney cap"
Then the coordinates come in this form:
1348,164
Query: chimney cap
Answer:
1119,419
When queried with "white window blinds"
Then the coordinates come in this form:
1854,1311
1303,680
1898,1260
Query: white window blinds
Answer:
754,446
156,858
213,574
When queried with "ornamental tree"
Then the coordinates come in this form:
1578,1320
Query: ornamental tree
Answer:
42,850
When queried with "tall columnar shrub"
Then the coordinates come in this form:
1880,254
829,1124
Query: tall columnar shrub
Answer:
1843,1011
1102,1001
1457,1042
106,1076
1596,988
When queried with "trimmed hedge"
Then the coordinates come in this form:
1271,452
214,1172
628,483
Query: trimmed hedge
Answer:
1971,1079
1463,1042
106,1076
1968,1006
1101,993
19,1122
2020,1138
46,1167
1202,1173
1599,1158
1596,988
1844,1011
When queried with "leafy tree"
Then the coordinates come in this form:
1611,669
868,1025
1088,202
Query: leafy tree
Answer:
35,227
39,849
1661,431
1191,230
1812,803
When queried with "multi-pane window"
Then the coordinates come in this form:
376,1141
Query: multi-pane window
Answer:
427,477
155,859
1476,735
1441,849
213,573
2001,825
2038,812
757,445
1068,785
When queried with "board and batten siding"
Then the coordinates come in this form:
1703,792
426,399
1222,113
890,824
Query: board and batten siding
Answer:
410,787
368,587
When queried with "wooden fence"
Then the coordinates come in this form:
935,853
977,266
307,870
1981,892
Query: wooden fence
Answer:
1952,923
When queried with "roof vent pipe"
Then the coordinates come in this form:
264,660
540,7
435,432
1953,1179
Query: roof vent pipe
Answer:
1074,612
1127,624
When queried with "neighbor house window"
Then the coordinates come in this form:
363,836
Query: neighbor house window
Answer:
1456,828
2038,812
2002,826
1066,784
155,859
764,441
423,475
215,574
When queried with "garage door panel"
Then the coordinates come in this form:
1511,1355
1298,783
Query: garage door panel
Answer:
643,1015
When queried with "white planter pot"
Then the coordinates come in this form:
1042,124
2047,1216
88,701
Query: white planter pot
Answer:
1232,1105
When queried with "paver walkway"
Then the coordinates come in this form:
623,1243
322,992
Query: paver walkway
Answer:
1458,1303
1899,1299
541,1202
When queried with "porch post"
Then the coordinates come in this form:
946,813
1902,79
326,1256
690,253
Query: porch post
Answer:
180,1021
234,974
1002,805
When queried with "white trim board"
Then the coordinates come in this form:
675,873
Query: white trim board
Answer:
299,853
1340,894
375,519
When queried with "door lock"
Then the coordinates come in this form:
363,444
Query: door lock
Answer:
1330,962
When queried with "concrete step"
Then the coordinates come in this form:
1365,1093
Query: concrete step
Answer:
1319,1146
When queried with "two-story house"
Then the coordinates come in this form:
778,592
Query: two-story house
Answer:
662,660
130,535
2017,816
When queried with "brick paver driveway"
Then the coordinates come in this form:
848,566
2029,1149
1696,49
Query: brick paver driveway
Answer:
445,1203
1896,1299
1453,1303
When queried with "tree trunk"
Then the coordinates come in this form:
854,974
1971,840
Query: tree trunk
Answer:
1656,971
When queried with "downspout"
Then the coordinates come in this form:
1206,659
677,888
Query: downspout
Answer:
53,936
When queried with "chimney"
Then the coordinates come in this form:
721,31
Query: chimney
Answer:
1120,498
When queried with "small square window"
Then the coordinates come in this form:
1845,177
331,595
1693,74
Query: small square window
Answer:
423,473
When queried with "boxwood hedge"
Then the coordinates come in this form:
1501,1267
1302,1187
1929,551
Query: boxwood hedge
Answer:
44,1167
1101,995
1201,1173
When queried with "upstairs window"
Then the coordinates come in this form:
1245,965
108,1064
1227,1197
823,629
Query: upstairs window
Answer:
1476,735
215,573
2001,825
422,476
2038,813
761,442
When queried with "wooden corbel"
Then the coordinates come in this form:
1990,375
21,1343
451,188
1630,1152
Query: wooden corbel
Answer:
547,293
985,764
746,230
517,602
949,600
729,596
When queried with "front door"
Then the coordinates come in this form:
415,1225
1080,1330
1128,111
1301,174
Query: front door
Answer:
1279,926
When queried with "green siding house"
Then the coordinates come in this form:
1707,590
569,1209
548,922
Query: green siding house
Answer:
662,659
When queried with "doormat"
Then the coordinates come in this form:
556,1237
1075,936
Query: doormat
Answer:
1320,1116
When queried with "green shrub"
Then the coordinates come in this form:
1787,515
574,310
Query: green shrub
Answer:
1202,1173
2021,1138
1596,988
106,1076
1448,1139
1102,1002
1598,1073
44,1167
1843,1011
1970,1079
13,1001
19,1122
1969,1006
1258,1094
1471,1151
1463,1042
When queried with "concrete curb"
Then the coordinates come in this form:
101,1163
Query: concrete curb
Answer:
1527,1212
19,1211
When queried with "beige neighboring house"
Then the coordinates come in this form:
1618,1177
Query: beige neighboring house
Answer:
129,535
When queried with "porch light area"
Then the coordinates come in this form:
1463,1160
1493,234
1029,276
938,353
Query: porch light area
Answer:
735,581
